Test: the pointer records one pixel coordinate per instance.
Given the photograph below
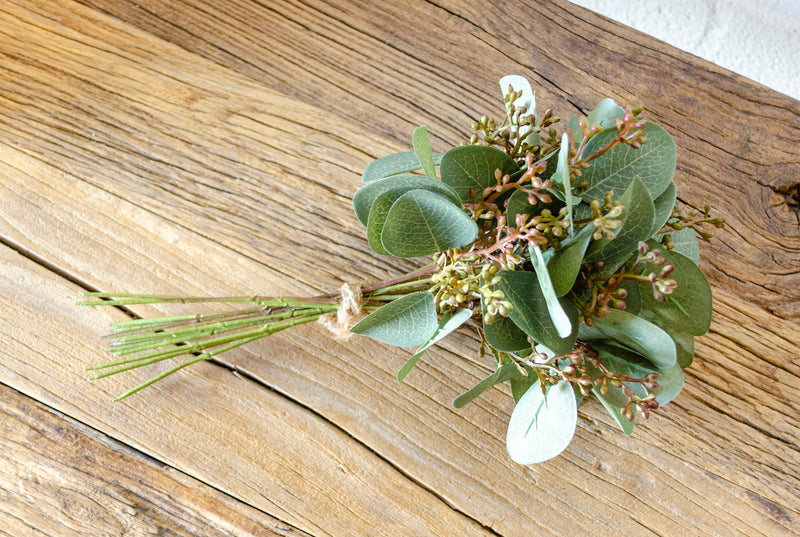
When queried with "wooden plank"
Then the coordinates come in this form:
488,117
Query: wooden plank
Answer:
185,181
390,67
690,460
61,478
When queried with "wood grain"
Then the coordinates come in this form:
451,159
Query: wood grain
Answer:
158,148
60,478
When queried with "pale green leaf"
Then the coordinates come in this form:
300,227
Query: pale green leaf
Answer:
405,322
377,218
686,244
422,222
542,425
448,324
575,127
638,335
394,164
653,163
473,167
422,148
663,206
605,114
559,318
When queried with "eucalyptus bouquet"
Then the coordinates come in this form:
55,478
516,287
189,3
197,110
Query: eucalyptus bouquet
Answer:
566,252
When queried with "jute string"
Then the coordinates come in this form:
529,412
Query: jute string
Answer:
349,312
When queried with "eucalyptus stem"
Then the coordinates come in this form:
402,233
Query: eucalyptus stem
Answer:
142,342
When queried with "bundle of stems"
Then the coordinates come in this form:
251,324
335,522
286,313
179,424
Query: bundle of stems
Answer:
146,341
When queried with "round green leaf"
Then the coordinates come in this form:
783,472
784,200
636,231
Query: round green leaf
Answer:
367,194
473,167
542,426
405,322
422,222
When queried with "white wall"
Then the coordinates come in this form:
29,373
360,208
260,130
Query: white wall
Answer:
759,39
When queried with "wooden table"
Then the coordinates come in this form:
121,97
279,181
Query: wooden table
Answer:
160,145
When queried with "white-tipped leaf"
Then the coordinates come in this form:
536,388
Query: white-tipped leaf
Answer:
527,99
542,426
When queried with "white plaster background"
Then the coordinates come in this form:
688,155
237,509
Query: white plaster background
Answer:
759,39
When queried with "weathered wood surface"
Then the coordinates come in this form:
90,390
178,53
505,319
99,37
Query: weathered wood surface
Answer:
159,146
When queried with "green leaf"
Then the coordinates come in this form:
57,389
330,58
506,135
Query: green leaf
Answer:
542,426
575,127
688,308
685,244
520,384
422,148
670,379
561,176
663,205
473,167
605,114
529,310
653,163
565,264
367,194
449,323
613,401
501,374
405,322
684,344
638,335
518,204
637,221
422,222
394,164
377,218
559,318
503,335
